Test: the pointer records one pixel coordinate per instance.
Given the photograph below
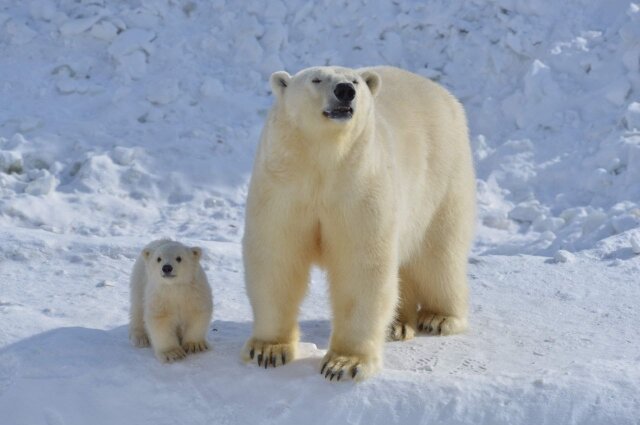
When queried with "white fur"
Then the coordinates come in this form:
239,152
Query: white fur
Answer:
387,196
172,312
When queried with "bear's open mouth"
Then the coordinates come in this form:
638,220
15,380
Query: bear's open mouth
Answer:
168,276
339,113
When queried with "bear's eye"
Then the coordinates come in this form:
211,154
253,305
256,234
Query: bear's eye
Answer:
355,81
159,259
316,80
178,259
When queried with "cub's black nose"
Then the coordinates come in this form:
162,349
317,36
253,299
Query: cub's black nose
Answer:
345,92
166,269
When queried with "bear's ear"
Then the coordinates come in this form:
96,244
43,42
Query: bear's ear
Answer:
197,252
146,253
279,81
373,81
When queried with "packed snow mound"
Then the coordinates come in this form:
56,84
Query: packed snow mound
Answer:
154,104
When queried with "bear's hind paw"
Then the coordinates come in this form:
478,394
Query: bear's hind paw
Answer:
400,331
436,324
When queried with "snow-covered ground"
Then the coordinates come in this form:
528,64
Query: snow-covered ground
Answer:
121,122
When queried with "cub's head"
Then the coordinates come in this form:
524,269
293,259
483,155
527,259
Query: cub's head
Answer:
321,98
172,262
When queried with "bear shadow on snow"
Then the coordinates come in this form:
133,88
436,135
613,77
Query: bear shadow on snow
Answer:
71,351
84,375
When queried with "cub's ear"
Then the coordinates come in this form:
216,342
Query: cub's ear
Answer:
279,82
146,253
197,252
373,81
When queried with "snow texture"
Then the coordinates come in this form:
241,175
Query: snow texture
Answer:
127,121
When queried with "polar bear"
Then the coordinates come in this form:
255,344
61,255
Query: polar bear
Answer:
171,303
367,173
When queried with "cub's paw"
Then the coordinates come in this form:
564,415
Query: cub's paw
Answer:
139,339
400,331
195,347
345,367
436,324
268,354
171,355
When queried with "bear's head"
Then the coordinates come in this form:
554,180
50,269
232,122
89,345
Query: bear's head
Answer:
172,262
326,97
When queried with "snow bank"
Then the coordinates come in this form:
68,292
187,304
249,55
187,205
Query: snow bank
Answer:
552,102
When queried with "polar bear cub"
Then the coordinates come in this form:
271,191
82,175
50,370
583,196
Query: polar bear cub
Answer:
171,303
367,173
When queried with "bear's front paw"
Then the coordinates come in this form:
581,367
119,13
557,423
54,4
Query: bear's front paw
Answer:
171,355
267,353
436,324
139,339
195,347
343,367
400,331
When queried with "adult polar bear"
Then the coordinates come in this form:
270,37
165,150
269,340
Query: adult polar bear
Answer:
367,173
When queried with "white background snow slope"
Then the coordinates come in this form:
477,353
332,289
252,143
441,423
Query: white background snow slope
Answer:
124,121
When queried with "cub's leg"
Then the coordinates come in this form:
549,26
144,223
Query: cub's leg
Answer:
194,336
163,332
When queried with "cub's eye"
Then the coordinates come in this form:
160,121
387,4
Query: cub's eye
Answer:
355,81
159,259
316,80
178,259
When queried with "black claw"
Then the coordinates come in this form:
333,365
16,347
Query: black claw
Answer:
273,361
284,358
404,332
252,353
429,328
354,371
340,374
440,326
420,327
328,372
323,366
260,359
332,375
266,362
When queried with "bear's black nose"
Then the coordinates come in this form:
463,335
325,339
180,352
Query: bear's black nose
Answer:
166,269
345,92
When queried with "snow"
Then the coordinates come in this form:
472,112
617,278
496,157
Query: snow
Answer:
634,240
563,256
128,121
633,116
